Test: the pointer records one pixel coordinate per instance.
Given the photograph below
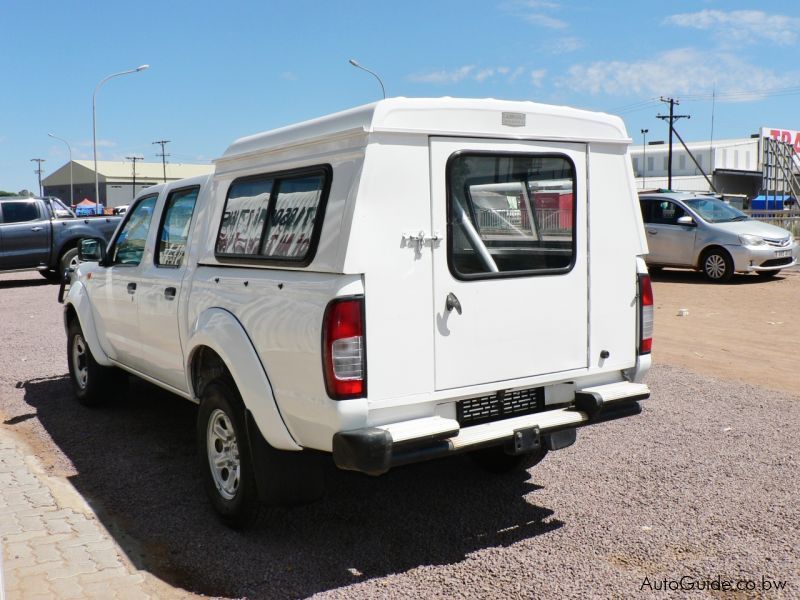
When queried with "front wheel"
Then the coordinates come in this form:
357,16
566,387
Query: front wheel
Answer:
225,458
69,260
90,380
717,266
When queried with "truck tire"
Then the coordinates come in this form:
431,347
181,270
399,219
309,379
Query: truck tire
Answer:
67,260
224,453
717,265
90,381
495,459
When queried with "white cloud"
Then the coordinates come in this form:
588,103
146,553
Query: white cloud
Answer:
473,73
543,20
443,76
535,12
563,45
538,4
537,77
676,72
484,74
741,25
289,76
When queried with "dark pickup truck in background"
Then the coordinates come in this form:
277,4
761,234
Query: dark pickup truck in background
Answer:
43,234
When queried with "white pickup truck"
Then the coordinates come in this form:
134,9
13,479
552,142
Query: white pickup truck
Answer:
389,284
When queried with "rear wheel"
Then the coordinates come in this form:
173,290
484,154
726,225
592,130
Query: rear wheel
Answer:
90,380
717,265
225,459
495,459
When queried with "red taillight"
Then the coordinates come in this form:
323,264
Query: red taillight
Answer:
343,349
645,314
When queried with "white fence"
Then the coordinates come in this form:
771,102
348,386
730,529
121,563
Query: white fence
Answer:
789,220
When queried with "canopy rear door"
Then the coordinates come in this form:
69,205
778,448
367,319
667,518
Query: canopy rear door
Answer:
510,269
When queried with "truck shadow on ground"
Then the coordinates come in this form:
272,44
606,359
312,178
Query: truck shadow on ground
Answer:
696,277
136,465
7,284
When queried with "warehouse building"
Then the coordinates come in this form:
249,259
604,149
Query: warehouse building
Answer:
118,183
763,164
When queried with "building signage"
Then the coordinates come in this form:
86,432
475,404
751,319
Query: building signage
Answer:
789,136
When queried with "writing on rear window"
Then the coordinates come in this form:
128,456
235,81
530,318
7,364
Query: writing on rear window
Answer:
275,216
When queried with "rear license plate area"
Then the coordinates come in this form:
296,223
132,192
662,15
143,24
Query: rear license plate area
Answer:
503,404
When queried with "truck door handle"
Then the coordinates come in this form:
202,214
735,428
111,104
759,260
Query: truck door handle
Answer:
169,293
131,288
452,302
36,228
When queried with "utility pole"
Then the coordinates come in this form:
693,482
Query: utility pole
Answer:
644,157
163,156
38,171
134,159
672,117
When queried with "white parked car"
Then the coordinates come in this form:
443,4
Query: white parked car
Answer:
702,232
394,283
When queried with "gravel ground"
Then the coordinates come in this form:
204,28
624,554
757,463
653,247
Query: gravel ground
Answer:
704,483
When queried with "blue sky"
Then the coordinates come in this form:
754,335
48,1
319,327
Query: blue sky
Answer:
221,70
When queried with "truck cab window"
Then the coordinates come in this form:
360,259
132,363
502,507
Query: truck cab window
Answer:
174,229
129,245
19,212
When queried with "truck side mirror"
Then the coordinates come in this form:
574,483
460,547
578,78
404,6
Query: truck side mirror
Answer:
91,250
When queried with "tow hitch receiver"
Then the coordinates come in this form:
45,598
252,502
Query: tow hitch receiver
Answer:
524,441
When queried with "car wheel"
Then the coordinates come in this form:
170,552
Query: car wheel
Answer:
768,274
717,265
68,260
89,379
495,459
225,460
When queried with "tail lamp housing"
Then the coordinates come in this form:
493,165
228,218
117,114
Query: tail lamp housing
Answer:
645,314
344,356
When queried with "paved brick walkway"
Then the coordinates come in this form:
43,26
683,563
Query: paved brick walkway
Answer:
53,546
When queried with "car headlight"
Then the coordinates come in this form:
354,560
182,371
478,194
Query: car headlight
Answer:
751,240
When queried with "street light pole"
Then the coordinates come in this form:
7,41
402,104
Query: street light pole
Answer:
644,156
71,198
94,124
375,75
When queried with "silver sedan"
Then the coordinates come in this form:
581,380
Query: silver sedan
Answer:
702,232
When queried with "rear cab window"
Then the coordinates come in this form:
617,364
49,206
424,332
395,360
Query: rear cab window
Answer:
510,214
274,218
19,212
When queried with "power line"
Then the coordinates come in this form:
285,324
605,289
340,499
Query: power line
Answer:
163,156
38,171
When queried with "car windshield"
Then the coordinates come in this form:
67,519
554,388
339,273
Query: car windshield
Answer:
715,211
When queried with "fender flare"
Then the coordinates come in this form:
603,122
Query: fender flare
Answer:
222,332
78,300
